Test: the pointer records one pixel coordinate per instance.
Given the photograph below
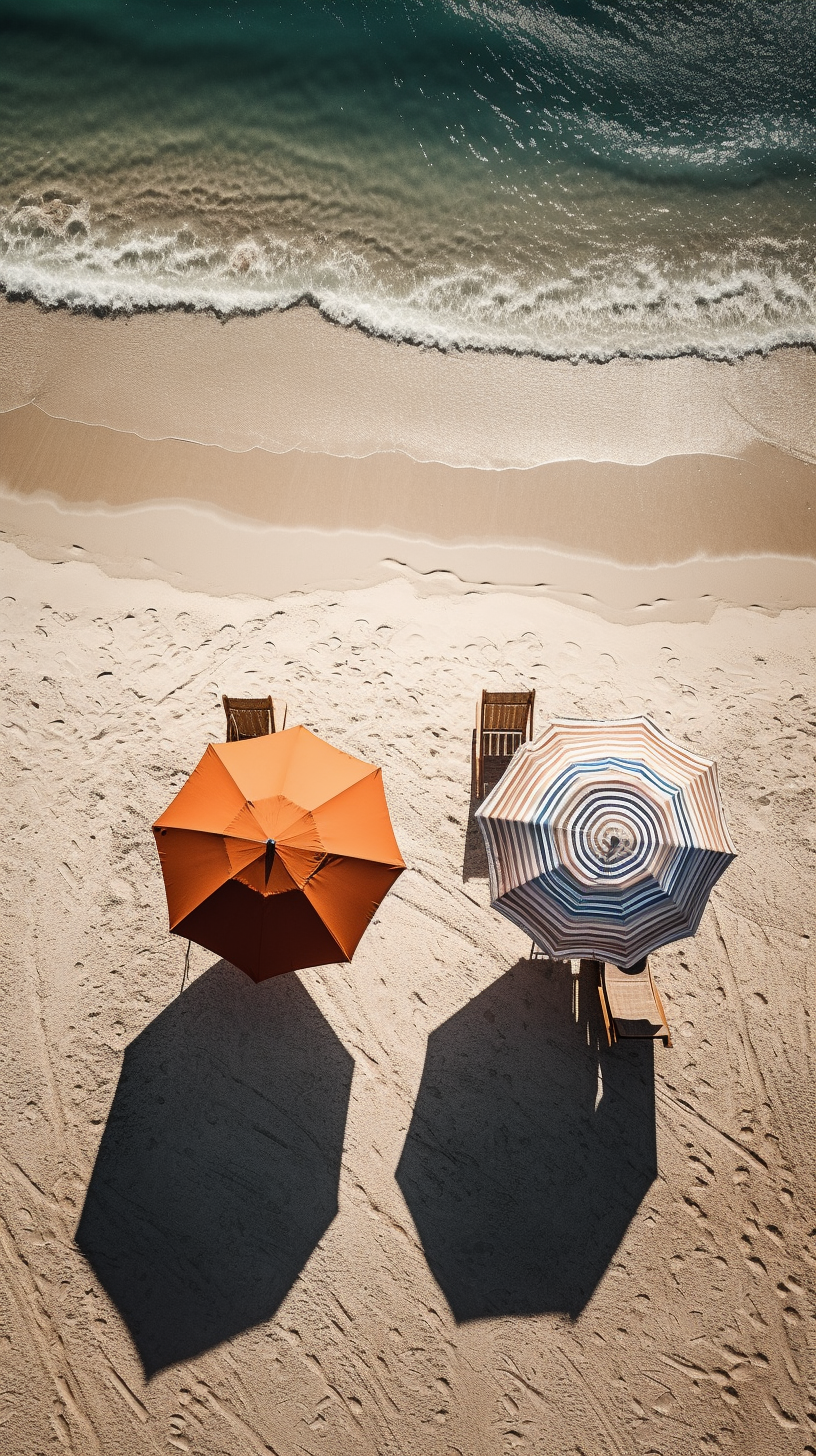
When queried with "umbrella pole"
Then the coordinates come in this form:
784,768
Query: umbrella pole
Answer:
186,966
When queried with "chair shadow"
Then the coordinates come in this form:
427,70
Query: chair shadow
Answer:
474,866
218,1169
520,1187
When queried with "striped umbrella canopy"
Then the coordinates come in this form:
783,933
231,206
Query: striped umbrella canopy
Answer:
604,839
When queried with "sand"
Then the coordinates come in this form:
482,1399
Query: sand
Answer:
280,453
411,1205
538,1245
293,381
662,540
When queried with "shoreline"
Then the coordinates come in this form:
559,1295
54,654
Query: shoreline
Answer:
111,311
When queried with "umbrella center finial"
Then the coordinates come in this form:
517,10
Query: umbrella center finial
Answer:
617,842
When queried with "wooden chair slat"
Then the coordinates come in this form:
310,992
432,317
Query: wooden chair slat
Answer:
504,722
248,717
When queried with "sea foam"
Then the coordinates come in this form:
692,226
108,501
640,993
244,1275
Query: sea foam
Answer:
638,306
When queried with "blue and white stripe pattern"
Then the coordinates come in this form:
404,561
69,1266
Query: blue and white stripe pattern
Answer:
604,839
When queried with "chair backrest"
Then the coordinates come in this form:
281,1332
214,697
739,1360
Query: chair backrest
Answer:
506,722
248,717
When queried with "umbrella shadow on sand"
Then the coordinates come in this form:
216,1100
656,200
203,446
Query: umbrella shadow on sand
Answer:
218,1170
530,1148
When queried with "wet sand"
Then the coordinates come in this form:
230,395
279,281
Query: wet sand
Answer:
275,454
667,539
292,381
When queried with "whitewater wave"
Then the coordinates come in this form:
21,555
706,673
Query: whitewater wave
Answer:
636,305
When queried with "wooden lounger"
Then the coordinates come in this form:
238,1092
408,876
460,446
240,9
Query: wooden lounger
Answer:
253,717
631,1004
503,722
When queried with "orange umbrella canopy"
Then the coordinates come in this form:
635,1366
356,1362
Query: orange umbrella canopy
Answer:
276,852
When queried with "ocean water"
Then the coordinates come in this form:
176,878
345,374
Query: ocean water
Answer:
575,180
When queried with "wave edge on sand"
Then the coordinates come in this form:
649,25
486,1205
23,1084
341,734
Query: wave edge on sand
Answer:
407,327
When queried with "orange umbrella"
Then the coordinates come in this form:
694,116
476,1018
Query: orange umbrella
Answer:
276,852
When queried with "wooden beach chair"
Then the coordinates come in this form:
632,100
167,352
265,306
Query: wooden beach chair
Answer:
631,1005
253,717
503,722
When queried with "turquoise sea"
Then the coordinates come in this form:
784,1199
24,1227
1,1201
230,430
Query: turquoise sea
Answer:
568,178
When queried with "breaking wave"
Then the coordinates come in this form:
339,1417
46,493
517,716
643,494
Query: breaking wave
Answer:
553,177
638,305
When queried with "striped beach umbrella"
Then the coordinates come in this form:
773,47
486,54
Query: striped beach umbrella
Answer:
604,839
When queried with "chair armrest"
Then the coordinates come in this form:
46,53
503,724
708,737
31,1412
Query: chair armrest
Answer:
607,1016
478,745
667,1040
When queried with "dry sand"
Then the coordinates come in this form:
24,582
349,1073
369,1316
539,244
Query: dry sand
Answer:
539,1245
412,1205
